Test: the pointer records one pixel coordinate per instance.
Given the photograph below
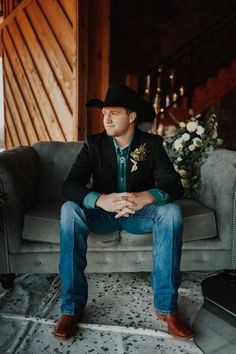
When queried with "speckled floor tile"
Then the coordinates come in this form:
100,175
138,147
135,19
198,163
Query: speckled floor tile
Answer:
119,317
96,342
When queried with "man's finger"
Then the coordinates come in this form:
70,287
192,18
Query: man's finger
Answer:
124,211
125,204
120,213
125,196
132,198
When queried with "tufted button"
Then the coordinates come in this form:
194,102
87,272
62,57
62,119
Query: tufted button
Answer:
205,258
138,261
105,261
38,262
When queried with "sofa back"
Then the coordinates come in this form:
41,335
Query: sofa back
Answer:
55,161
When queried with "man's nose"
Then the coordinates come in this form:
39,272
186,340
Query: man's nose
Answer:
107,117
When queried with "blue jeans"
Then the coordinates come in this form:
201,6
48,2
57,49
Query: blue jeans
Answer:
166,224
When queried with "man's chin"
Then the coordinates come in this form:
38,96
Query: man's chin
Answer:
110,132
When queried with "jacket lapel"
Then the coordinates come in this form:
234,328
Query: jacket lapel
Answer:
130,176
110,162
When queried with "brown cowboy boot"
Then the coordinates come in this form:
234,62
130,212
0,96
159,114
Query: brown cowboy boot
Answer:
176,327
66,326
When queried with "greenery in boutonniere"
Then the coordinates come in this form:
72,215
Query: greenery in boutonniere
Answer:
139,154
188,147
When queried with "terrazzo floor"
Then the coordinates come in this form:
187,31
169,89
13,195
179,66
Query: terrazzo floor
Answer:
118,319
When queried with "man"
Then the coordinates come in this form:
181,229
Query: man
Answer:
134,185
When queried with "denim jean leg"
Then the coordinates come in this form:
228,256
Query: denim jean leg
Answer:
76,223
73,248
167,246
166,224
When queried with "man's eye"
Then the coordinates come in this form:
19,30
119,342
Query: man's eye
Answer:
115,113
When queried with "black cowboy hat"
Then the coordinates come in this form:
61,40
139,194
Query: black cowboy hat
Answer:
119,95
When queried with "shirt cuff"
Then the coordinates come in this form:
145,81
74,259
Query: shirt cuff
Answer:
160,196
90,200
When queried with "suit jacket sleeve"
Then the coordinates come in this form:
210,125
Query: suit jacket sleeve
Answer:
75,185
166,177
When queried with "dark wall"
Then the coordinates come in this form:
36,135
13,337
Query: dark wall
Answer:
225,111
143,32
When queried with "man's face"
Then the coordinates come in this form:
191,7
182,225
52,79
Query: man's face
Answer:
117,120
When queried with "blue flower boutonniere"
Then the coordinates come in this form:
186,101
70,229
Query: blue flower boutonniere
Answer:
138,155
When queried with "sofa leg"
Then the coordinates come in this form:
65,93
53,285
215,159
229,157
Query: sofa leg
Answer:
7,280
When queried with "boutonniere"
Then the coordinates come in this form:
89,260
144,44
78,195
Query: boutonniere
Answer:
138,155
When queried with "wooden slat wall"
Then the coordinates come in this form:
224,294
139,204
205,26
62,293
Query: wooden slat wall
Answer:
83,68
98,58
9,6
40,64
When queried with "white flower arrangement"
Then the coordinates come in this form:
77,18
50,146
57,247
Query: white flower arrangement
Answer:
188,147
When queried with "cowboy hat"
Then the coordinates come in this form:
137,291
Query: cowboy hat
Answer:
119,95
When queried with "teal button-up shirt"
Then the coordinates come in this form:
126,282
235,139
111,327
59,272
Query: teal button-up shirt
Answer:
122,155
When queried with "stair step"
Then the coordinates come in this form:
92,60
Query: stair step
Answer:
204,96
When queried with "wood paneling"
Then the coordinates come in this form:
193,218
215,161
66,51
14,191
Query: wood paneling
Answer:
99,58
9,6
83,68
40,62
55,57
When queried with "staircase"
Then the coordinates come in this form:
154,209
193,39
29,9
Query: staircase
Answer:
196,76
207,95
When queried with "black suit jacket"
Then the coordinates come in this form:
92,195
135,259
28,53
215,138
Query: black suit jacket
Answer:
97,159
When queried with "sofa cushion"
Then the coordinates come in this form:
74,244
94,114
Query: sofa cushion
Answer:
41,224
55,161
199,223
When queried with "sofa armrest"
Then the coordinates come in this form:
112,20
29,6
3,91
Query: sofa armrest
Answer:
218,183
18,179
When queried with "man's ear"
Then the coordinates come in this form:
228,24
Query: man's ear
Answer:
132,117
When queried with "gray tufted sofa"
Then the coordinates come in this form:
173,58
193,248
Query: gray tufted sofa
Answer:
30,187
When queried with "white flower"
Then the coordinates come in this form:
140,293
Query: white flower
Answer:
185,137
178,144
192,126
214,135
182,125
191,147
179,159
190,111
176,167
198,116
185,182
170,130
182,173
200,130
197,141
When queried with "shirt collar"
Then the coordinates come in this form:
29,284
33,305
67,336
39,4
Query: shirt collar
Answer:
124,147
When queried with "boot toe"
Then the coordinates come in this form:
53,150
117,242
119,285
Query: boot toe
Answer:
66,326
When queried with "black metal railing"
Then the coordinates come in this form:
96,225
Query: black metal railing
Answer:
190,66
